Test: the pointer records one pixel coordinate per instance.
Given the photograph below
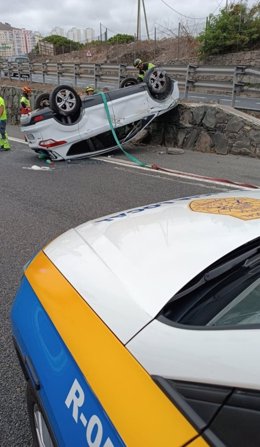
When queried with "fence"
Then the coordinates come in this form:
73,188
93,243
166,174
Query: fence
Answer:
235,81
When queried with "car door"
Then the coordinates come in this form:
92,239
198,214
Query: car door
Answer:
94,118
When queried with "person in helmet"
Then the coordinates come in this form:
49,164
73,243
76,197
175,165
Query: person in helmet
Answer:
143,67
4,143
25,105
89,90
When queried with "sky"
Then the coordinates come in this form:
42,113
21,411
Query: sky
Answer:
117,16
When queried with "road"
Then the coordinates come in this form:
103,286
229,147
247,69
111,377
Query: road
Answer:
241,103
38,205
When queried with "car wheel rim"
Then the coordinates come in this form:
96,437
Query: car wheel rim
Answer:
65,100
158,81
42,432
45,103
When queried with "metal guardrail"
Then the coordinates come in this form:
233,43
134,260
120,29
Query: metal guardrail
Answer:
234,80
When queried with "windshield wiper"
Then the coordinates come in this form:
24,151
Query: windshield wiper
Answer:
218,271
250,258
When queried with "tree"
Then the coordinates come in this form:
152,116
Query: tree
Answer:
121,38
236,28
62,44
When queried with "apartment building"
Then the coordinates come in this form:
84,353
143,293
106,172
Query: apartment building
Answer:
15,41
76,34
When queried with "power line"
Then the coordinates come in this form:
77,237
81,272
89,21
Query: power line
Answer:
183,15
189,17
168,29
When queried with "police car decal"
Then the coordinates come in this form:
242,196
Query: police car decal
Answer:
144,208
95,429
241,207
74,412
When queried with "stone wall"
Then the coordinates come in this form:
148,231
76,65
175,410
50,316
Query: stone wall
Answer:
12,97
207,128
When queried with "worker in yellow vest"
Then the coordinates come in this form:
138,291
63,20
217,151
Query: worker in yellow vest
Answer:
4,143
25,105
143,67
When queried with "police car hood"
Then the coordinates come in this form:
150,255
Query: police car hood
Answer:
127,266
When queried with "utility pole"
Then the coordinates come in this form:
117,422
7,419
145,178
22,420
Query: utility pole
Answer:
145,18
138,30
138,33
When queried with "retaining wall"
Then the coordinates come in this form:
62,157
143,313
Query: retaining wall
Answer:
207,128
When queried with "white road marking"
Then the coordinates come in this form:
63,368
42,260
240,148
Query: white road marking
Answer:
197,97
173,173
18,140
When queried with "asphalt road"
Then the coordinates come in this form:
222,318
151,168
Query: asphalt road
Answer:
37,205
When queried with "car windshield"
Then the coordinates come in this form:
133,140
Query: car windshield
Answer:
244,309
225,294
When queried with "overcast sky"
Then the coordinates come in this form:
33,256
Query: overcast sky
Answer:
118,16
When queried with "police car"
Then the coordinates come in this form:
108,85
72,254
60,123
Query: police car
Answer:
142,328
72,127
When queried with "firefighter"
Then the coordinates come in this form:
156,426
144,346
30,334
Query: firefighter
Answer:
4,143
143,67
25,105
89,90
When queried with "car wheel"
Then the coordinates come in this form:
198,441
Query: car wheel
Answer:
42,101
40,431
159,83
65,100
128,81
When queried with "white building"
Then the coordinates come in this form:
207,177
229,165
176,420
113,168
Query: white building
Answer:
75,34
80,35
57,31
89,34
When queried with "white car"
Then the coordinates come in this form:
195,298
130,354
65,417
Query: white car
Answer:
173,286
73,128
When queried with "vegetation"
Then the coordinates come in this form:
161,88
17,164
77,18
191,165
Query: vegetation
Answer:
121,38
62,44
236,28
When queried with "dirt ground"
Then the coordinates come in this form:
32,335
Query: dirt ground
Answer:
165,51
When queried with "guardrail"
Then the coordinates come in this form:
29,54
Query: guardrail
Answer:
235,81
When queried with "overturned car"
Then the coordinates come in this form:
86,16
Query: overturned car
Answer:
71,127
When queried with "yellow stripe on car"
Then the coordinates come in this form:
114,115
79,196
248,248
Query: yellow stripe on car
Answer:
139,410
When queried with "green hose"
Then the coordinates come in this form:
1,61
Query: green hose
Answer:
131,157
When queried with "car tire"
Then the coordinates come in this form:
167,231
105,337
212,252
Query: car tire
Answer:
159,83
42,101
65,101
128,81
41,433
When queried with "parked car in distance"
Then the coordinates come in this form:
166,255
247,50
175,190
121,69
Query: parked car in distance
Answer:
72,127
17,66
142,328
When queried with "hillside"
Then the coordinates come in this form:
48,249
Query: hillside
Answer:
165,51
